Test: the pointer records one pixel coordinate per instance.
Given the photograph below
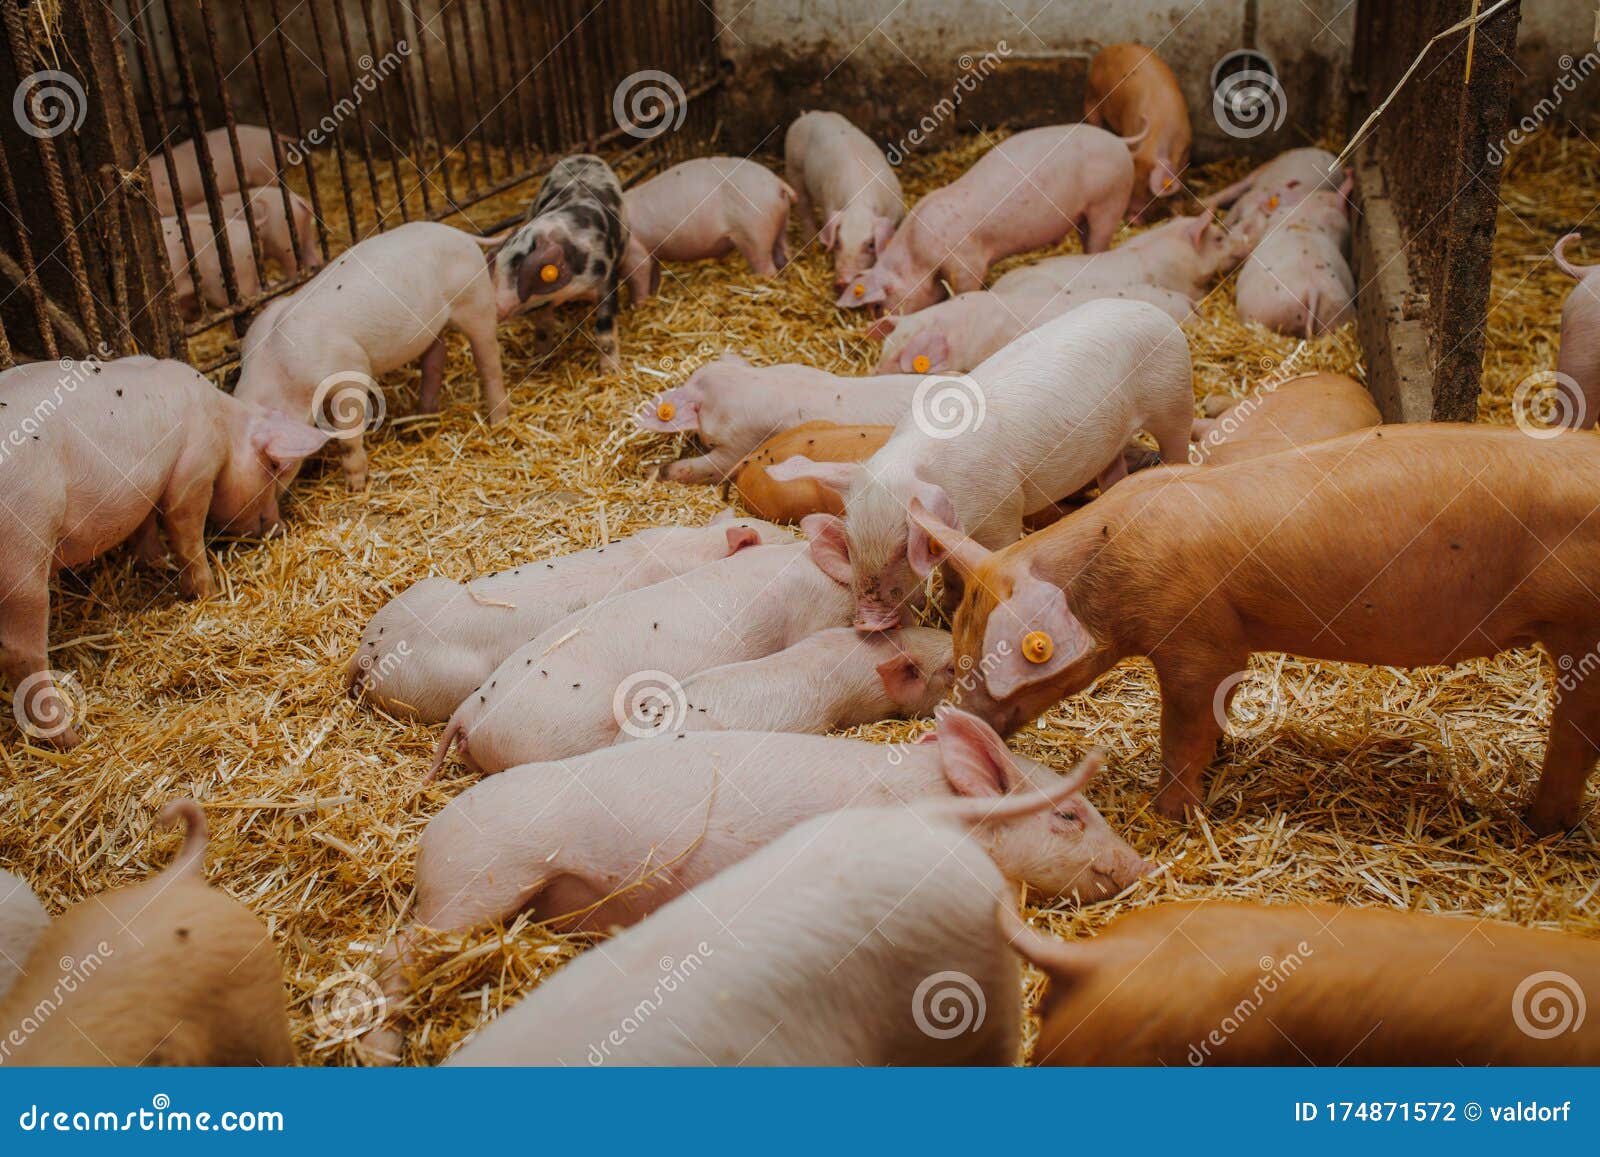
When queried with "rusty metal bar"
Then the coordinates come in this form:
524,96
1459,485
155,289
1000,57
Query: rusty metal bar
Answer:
343,22
300,131
415,151
443,167
383,107
338,137
268,114
233,141
464,140
514,73
478,120
29,269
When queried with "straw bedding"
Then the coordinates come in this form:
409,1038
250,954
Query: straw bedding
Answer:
1362,786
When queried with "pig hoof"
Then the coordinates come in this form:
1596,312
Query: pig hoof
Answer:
1549,822
380,1047
1174,805
356,482
66,740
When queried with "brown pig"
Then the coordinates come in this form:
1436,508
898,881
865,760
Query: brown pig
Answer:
1312,984
1131,90
168,972
766,497
93,453
1303,409
1409,546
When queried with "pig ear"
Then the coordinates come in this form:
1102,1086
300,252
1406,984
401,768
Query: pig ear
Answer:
976,760
680,408
882,234
836,476
1031,636
1161,179
283,441
1197,229
830,550
931,344
872,292
952,546
921,551
740,537
726,514
829,232
884,326
903,680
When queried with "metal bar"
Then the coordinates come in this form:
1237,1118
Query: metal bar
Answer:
383,107
443,168
514,74
476,131
300,129
233,139
463,140
29,268
361,117
414,149
269,115
338,137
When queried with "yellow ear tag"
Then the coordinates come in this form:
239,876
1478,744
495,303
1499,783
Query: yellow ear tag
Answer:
1037,647
860,290
1272,202
920,363
548,273
665,411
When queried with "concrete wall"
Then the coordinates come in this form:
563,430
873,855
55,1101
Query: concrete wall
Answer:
1554,35
887,63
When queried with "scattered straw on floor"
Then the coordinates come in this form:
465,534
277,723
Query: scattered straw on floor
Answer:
1366,786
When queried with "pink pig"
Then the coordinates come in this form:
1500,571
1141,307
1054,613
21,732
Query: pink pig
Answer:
93,453
428,648
846,188
833,679
208,263
272,226
1297,280
1034,423
383,303
602,669
1578,365
255,150
1027,192
1278,185
958,334
734,406
702,209
844,941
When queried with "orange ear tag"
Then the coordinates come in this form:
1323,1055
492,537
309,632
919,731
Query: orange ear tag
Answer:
548,273
920,363
665,411
1037,647
860,290
1272,202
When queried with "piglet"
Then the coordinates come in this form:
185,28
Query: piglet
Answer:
278,241
1198,567
1296,280
621,833
569,248
734,406
1578,365
209,286
1327,984
958,334
255,151
428,648
93,453
847,190
705,208
1278,417
1033,424
777,501
22,921
830,680
1027,192
1274,187
382,304
1131,90
603,668
168,972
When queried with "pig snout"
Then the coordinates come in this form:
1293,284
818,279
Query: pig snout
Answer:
873,615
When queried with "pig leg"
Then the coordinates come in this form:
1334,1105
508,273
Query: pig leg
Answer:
1191,723
710,467
24,655
762,251
605,322
1103,217
1570,753
641,271
147,544
183,517
1114,472
485,342
432,377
